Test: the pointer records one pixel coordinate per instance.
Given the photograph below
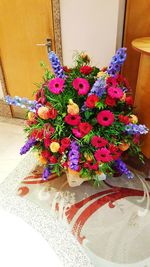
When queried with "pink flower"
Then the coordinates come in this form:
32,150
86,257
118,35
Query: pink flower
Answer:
103,154
98,141
77,133
115,92
81,85
105,118
56,85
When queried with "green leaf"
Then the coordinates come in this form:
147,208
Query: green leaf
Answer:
87,114
100,105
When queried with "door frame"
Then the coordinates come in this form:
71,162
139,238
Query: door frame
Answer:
5,110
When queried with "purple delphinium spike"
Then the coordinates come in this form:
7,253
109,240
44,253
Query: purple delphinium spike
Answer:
46,173
54,60
23,102
74,156
121,166
30,143
136,129
98,87
117,61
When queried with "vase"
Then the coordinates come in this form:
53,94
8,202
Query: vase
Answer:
74,179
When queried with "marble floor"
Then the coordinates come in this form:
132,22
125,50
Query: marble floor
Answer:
11,139
16,243
23,253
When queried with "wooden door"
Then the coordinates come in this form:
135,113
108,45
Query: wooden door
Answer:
23,24
137,24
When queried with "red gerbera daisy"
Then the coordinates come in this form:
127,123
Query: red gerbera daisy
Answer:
111,81
98,141
109,101
103,154
91,101
72,119
81,85
115,92
105,118
85,128
115,151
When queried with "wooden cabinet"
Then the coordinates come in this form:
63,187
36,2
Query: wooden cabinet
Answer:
137,24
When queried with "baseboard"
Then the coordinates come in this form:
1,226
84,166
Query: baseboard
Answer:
5,110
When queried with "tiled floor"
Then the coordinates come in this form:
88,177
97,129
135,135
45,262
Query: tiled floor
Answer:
11,139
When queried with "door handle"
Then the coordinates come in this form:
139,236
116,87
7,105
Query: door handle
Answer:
48,44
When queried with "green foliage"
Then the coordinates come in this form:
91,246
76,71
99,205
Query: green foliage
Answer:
100,105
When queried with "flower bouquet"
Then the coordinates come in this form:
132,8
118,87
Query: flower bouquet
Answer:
82,120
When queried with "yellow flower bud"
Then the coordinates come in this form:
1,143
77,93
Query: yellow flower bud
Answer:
72,108
100,73
54,147
123,98
36,155
133,119
88,157
85,57
71,101
31,116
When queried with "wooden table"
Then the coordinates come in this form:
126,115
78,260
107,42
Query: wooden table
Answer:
142,94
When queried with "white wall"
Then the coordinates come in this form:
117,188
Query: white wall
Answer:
91,26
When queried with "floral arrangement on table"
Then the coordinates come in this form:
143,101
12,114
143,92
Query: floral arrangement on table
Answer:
82,120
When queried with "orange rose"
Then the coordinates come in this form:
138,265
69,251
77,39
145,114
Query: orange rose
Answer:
43,113
72,108
42,160
124,146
